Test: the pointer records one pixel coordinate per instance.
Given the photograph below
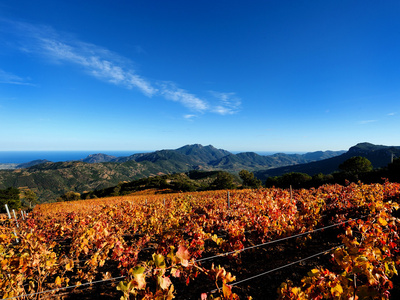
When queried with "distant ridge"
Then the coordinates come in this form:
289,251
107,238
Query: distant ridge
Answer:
211,157
98,171
379,155
31,163
98,158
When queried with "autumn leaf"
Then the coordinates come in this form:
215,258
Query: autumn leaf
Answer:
58,281
163,282
382,221
337,290
70,265
175,272
159,260
183,255
139,277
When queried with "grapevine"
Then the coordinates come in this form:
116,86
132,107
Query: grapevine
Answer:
160,245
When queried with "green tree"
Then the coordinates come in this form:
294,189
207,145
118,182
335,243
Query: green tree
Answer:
10,197
224,180
294,179
30,197
249,181
356,165
320,179
69,196
394,170
273,181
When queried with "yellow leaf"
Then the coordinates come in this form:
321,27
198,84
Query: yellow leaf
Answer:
314,272
58,281
159,260
296,290
382,221
378,253
349,232
337,290
229,277
140,277
69,266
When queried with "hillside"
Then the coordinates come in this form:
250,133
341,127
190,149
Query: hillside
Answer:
177,182
379,155
50,180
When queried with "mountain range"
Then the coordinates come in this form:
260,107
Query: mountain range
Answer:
205,157
97,171
379,156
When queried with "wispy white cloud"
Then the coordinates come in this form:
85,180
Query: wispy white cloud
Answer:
94,60
98,62
367,121
189,117
391,114
108,66
171,92
9,78
228,104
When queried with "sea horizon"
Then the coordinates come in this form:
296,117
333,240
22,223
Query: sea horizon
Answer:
25,156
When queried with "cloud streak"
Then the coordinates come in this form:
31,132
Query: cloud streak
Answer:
171,92
96,63
9,78
367,122
110,67
228,104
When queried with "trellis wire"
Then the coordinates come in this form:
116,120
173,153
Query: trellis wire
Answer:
281,267
216,256
213,291
275,241
65,288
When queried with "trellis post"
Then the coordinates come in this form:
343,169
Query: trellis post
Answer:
16,220
8,211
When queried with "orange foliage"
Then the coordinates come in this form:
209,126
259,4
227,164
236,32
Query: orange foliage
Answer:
72,241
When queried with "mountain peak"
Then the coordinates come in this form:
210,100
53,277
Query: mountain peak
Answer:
190,146
205,154
98,158
365,147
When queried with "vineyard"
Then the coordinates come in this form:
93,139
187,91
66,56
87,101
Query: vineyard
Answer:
333,242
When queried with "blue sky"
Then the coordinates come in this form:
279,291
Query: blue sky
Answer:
290,76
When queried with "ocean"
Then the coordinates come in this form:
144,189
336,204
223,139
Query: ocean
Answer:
19,157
